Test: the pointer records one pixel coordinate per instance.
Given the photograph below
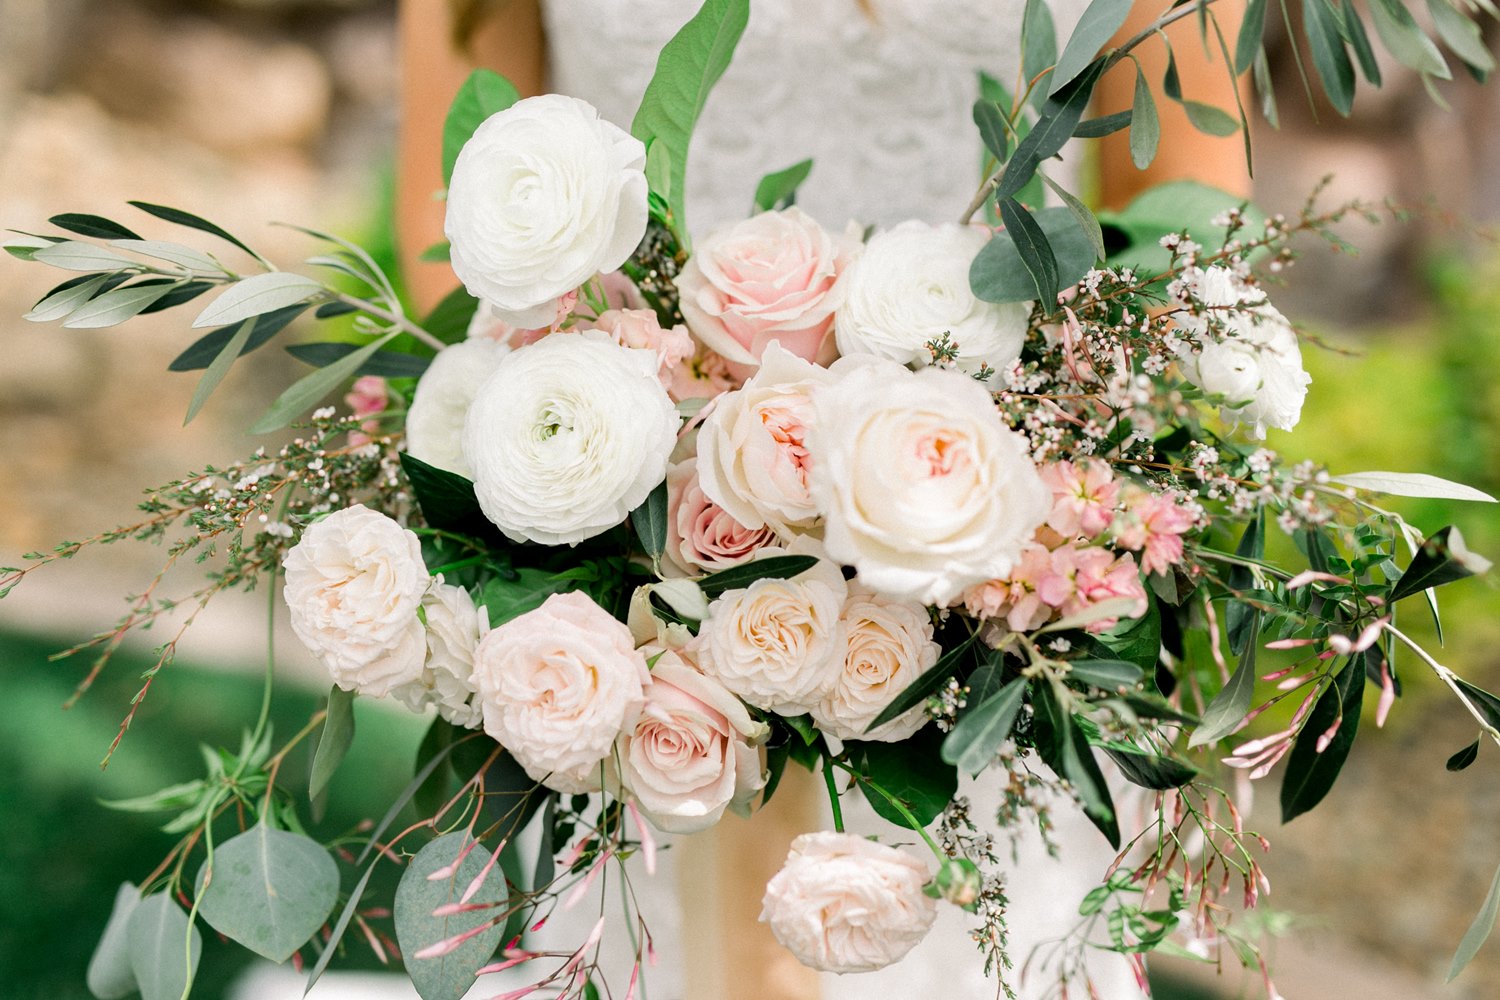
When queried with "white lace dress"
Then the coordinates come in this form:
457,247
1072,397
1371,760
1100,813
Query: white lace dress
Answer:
879,96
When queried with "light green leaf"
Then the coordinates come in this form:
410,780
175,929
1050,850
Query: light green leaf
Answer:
448,976
1412,484
74,255
686,71
271,890
1252,28
261,293
110,976
164,948
1404,40
173,253
1081,215
1461,35
1100,20
59,304
338,734
1211,120
1330,58
976,738
307,390
1230,706
779,189
217,369
1145,126
1478,931
484,93
1038,41
115,306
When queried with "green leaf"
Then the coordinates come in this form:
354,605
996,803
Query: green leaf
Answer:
917,691
1466,756
1055,123
912,771
974,741
1038,40
743,575
432,764
447,499
1034,250
1230,706
1443,558
115,307
992,128
309,389
1238,616
1252,29
1167,208
1097,128
450,318
73,255
433,792
331,946
1108,674
387,364
998,275
511,796
803,726
172,253
1064,747
1211,120
449,976
1145,125
1100,20
1149,770
271,890
507,599
201,353
62,301
1359,41
1330,58
1082,216
779,189
1485,703
1310,774
1479,930
257,295
110,976
1136,641
650,521
484,93
164,948
1412,484
217,369
1461,35
333,744
192,221
96,226
1402,37
686,71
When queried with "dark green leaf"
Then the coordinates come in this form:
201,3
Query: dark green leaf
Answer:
779,189
1108,674
110,976
192,221
164,948
271,890
1466,756
1479,930
974,741
803,726
338,734
1310,774
438,253
917,692
450,318
650,521
1330,58
1252,28
1150,706
1136,641
1230,706
770,568
96,226
1100,20
1145,126
1064,747
1487,704
1034,249
330,947
545,869
509,599
912,771
448,976
1094,128
387,364
329,310
992,128
484,93
1150,770
177,295
435,791
998,275
1055,123
1081,215
1443,558
1359,41
203,350
511,797
309,389
1239,616
447,499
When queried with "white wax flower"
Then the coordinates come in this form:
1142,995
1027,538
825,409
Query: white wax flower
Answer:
911,286
353,584
567,436
544,195
435,422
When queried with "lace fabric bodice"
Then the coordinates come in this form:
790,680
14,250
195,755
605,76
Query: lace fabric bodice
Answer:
878,95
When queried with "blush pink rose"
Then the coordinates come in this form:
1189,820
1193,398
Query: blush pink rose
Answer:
1153,524
776,276
702,537
640,328
1015,597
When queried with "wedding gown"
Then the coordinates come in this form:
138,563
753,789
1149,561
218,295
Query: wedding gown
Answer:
878,94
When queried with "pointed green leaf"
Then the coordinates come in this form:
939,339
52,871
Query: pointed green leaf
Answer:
1211,120
164,948
271,890
447,976
1252,28
386,364
974,741
1311,774
1479,930
1108,674
215,372
1238,616
450,318
1230,706
201,353
192,221
110,976
1097,128
1412,484
743,575
74,255
1443,558
257,295
484,93
115,306
911,771
1406,41
1145,126
1100,20
992,128
172,253
1461,35
998,275
779,189
1035,251
447,499
1330,58
1154,771
64,300
96,226
1466,756
334,743
917,691
1064,747
1082,216
1359,41
1038,41
311,388
1056,120
650,522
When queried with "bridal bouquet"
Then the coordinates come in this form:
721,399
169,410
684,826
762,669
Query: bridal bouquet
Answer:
639,524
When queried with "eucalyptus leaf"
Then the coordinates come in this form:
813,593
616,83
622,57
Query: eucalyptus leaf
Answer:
743,575
779,189
270,890
447,976
1461,35
1098,24
1330,58
172,253
201,353
1081,215
1406,41
73,255
1097,128
1038,40
1211,120
1479,930
334,743
1035,251
218,368
926,683
993,131
1230,706
1145,125
484,93
311,388
164,948
96,226
1252,29
109,975
998,275
1310,774
1359,41
976,738
1056,120
257,295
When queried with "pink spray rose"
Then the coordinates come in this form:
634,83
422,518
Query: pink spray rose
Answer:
701,536
1084,576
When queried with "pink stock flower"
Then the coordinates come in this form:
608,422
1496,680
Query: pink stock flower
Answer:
1081,577
639,328
704,376
1153,524
368,397
1015,598
1084,497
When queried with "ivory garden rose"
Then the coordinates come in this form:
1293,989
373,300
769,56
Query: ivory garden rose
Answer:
567,436
557,686
354,582
887,645
544,195
454,626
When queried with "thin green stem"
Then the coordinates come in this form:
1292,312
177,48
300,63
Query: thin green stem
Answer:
833,794
395,319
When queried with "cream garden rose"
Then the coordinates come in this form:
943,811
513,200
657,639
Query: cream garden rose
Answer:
435,421
772,277
753,460
692,753
888,645
454,626
354,582
567,436
842,903
557,686
911,286
544,195
923,488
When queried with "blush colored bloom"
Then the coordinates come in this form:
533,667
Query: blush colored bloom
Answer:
703,537
1153,524
1082,577
1083,497
1015,597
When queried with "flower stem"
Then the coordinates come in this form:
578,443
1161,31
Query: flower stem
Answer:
833,794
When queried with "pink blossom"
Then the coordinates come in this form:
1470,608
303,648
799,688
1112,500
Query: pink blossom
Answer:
1084,497
620,292
368,397
640,328
704,376
1153,524
1015,597
701,535
1081,577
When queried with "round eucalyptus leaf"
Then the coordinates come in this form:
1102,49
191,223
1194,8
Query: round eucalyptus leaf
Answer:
164,948
110,976
449,976
271,891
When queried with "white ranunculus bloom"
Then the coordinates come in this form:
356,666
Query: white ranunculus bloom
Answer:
692,753
557,686
888,645
923,488
911,286
353,584
544,195
1243,350
752,448
435,422
778,644
454,626
842,903
567,436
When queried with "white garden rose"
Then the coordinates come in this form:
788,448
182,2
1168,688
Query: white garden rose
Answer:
923,488
567,436
353,584
557,686
753,460
544,195
454,626
435,421
888,645
1243,350
911,286
692,753
778,644
842,903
